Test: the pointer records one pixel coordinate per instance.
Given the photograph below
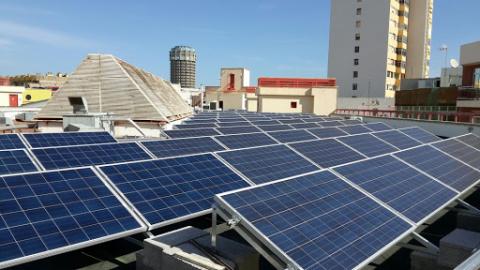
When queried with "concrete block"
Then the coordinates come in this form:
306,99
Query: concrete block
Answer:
469,222
457,246
424,261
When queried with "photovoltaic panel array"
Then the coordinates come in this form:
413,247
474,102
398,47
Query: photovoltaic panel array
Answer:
405,189
352,122
470,139
166,190
264,164
15,161
238,130
245,140
378,126
327,153
292,135
397,139
305,125
88,155
323,133
291,121
37,140
316,221
266,123
368,145
330,124
461,151
355,129
11,141
190,133
275,127
235,124
203,125
51,212
441,166
178,147
420,134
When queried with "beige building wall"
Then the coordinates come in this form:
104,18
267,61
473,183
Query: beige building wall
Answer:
252,102
241,75
233,101
419,36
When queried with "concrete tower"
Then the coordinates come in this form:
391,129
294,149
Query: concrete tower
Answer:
183,61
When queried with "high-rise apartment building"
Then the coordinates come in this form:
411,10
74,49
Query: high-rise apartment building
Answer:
376,43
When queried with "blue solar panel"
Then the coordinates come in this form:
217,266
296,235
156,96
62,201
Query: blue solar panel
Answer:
313,120
355,129
287,136
327,153
368,145
304,125
291,121
318,221
323,133
178,147
37,140
187,126
238,130
199,121
245,140
88,155
191,133
330,124
15,161
461,151
11,141
352,122
471,140
333,118
420,134
166,190
235,124
397,139
264,164
441,166
230,119
378,126
406,190
266,123
41,213
275,127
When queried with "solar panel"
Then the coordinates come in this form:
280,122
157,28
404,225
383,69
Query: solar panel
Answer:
420,134
397,139
330,124
178,147
266,123
352,122
167,190
88,155
47,213
15,161
287,136
316,221
275,127
355,129
199,121
327,153
333,118
37,140
291,121
264,164
304,125
313,120
378,126
235,124
11,141
441,166
461,151
368,145
187,126
323,133
191,133
471,140
406,190
245,140
238,130
231,120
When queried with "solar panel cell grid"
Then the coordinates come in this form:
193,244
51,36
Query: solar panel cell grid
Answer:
368,145
397,139
15,161
318,221
420,135
11,141
168,189
266,164
266,123
305,125
358,129
441,166
37,140
191,133
327,132
275,127
292,136
88,155
50,210
378,126
470,139
461,151
245,140
408,191
352,122
291,121
187,126
330,124
170,148
238,130
235,124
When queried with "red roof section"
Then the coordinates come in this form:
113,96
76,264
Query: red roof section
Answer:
296,82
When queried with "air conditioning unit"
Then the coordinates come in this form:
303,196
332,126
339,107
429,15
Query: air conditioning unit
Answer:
359,118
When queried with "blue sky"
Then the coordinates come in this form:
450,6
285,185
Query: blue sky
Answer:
270,37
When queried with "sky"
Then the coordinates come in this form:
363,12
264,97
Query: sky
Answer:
283,38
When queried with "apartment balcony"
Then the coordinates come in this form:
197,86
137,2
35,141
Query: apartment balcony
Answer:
468,97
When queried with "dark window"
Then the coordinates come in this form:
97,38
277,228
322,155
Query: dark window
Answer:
359,11
357,49
355,74
357,36
355,61
354,86
293,105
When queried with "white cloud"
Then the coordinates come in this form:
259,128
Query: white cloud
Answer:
14,30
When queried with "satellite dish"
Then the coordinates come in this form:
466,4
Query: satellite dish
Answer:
453,63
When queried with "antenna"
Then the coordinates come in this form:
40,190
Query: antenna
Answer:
453,63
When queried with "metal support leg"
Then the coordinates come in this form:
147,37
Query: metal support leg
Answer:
429,245
469,207
214,227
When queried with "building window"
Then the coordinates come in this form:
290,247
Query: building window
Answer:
359,11
231,82
293,105
476,78
355,61
358,24
355,74
357,49
354,86
357,36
